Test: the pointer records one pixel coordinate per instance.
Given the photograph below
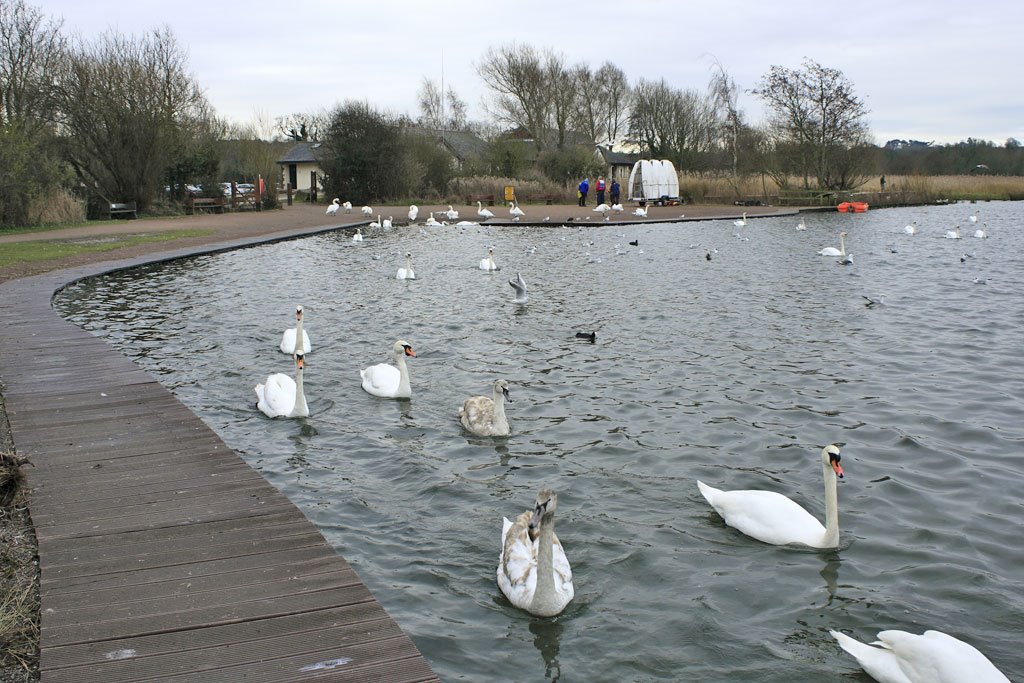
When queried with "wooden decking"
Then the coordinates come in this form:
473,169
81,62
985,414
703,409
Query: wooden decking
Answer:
163,556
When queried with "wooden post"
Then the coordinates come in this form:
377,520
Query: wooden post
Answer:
288,189
312,187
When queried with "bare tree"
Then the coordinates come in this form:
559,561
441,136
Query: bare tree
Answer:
672,124
30,50
518,79
129,110
816,114
449,114
302,126
614,96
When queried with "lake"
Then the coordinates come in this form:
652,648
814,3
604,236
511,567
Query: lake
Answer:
735,371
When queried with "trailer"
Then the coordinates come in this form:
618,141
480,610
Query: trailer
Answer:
654,181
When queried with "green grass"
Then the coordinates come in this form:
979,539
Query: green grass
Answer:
48,250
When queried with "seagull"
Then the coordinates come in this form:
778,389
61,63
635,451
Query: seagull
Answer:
413,212
367,211
845,260
880,301
980,281
520,286
482,212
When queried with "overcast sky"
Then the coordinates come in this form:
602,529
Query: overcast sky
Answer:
928,70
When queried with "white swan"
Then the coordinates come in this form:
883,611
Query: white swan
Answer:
482,212
485,416
953,234
367,211
413,212
980,232
640,211
358,237
452,214
739,223
389,381
431,221
488,263
773,518
281,396
801,225
533,571
910,229
933,657
832,251
617,208
333,208
973,217
519,285
347,206
375,224
406,273
293,333
386,223
515,211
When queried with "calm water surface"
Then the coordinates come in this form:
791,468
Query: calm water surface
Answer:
735,371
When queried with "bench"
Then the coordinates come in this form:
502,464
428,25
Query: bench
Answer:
487,199
125,209
546,198
214,204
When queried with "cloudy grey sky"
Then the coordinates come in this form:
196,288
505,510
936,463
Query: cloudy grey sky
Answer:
928,70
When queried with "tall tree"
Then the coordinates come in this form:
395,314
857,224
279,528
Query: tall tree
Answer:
363,155
448,113
815,113
520,85
672,124
302,126
130,110
613,96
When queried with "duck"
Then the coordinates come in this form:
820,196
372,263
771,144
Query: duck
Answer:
406,273
282,396
485,416
482,212
832,251
515,211
519,285
980,233
773,518
488,263
333,208
910,229
413,212
707,254
347,206
739,223
293,333
533,571
390,381
640,211
367,211
953,234
451,213
932,657
358,236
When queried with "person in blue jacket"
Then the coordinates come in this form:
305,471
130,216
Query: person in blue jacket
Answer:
584,186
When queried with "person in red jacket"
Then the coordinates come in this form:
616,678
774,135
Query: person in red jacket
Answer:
599,190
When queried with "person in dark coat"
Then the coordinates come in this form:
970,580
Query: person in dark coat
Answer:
613,192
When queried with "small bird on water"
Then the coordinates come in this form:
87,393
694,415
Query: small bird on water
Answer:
589,336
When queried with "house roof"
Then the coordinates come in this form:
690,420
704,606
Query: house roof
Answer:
463,145
301,153
618,158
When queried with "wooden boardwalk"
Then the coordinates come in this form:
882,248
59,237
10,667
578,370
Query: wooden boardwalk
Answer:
163,555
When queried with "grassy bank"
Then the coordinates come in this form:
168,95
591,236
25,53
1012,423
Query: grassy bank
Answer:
46,250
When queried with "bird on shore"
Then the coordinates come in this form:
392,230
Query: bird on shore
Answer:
533,571
640,211
933,657
515,211
603,209
482,212
367,211
413,212
452,214
333,208
519,285
617,208
347,206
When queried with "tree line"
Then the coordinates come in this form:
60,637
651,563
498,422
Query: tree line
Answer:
119,118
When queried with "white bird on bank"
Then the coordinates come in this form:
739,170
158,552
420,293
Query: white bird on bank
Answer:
282,396
292,334
933,657
347,206
451,213
773,518
407,272
333,208
515,211
953,234
832,251
390,381
617,208
533,571
640,211
488,262
485,416
519,285
482,212
367,211
739,223
413,212
910,229
358,237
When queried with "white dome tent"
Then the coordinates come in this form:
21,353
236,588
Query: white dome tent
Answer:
653,181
